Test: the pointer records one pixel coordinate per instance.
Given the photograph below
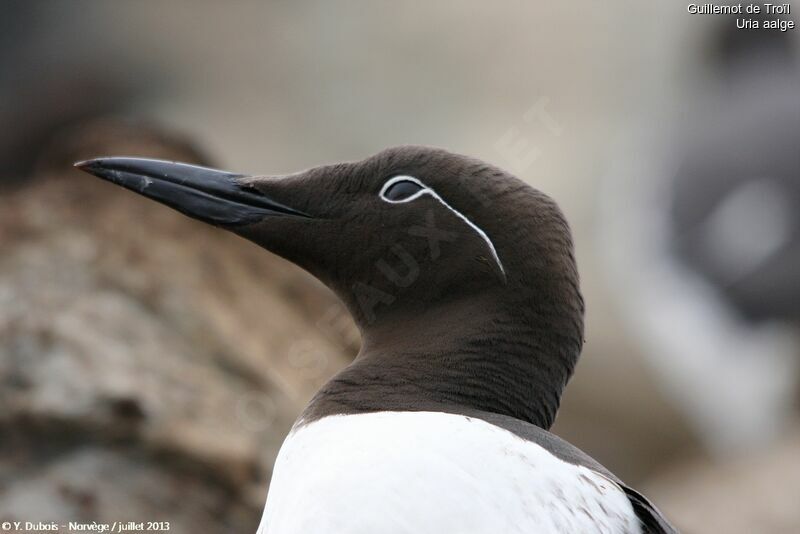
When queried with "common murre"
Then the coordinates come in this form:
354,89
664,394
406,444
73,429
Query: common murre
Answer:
463,283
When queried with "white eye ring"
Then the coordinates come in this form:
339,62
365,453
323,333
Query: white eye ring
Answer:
403,178
425,190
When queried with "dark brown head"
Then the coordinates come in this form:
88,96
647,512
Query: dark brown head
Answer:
426,248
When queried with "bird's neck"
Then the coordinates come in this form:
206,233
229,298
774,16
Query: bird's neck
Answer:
478,355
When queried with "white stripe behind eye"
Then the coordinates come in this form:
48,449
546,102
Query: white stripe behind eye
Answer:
428,191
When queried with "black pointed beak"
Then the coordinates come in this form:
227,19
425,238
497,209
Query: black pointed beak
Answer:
212,196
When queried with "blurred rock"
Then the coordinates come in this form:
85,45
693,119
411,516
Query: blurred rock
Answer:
89,484
150,365
110,135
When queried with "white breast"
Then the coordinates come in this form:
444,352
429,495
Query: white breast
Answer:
432,473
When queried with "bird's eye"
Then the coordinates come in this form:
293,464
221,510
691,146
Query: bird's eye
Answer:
399,189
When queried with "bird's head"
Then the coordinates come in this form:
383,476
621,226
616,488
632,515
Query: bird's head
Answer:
409,230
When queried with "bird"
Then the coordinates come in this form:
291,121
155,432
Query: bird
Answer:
463,283
700,234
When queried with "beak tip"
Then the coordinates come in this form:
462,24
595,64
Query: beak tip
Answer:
88,165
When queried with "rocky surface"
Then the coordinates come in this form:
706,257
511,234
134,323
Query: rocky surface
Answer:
149,364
